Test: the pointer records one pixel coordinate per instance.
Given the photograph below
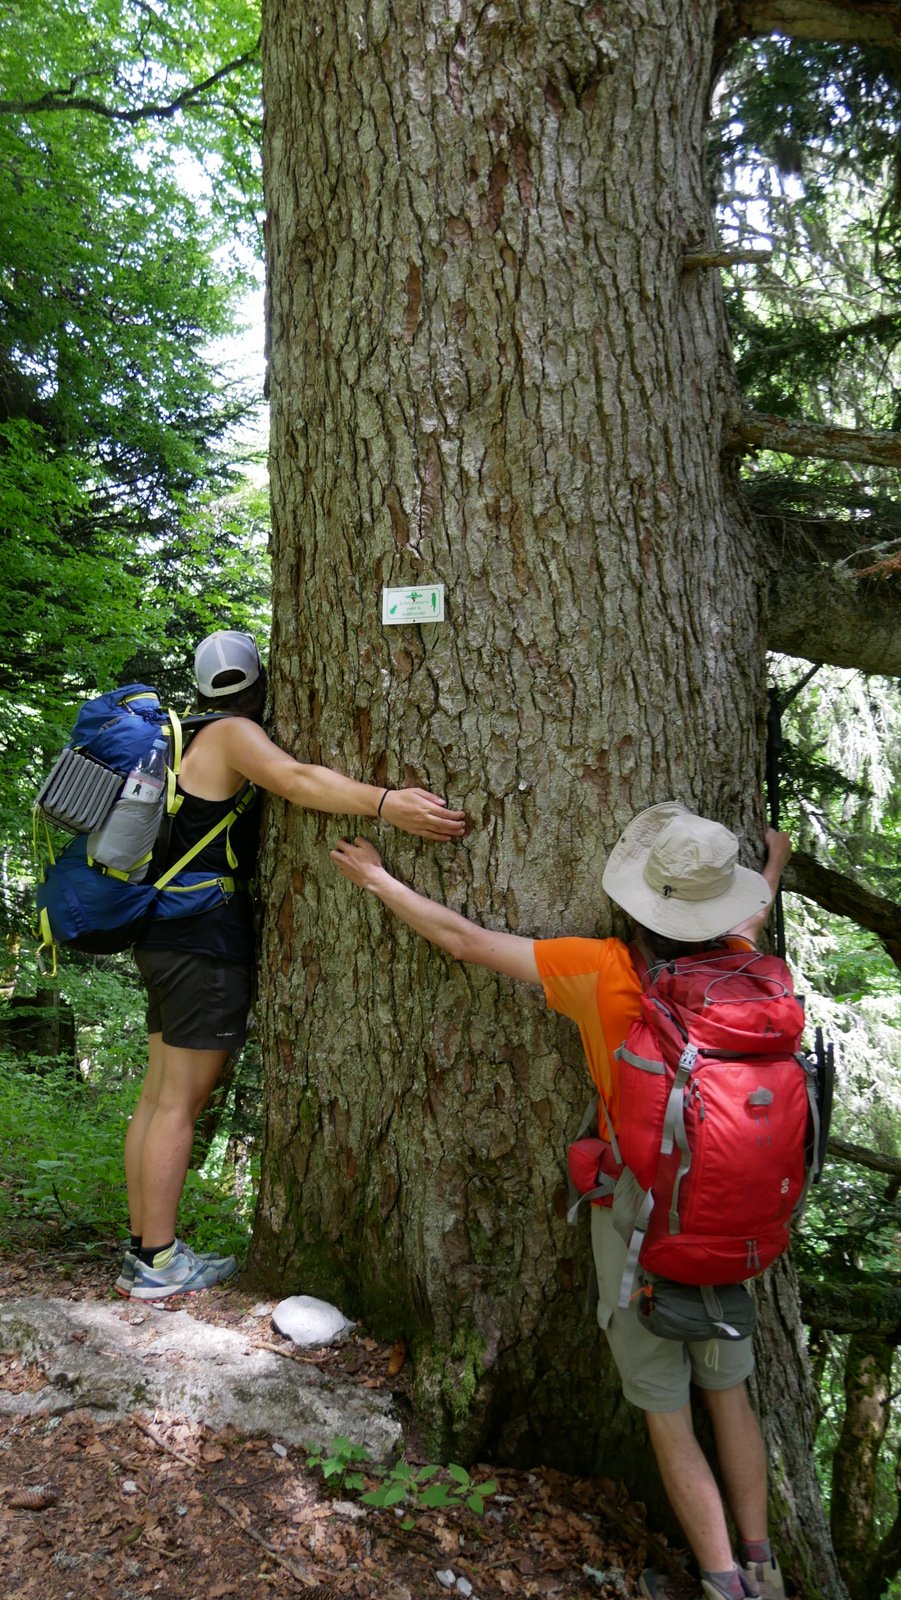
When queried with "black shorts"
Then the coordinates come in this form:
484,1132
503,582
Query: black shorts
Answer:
197,1002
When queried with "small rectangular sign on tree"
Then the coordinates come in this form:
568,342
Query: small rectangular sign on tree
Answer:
422,602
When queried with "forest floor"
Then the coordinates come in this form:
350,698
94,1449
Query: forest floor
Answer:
117,1510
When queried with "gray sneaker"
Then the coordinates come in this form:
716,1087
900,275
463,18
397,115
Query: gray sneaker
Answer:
125,1281
126,1276
654,1586
185,1274
765,1579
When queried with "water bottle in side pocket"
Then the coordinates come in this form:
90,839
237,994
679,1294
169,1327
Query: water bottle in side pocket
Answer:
126,839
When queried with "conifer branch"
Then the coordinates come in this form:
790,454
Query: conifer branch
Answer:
844,897
67,99
860,1156
872,1306
832,598
754,430
695,259
841,21
886,326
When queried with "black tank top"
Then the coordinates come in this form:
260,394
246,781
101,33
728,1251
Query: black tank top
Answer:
227,930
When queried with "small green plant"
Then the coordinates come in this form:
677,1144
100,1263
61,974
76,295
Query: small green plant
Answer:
342,1462
419,1488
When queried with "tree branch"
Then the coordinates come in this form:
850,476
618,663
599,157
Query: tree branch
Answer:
753,430
819,606
845,21
67,100
695,259
870,330
869,1305
845,898
861,1157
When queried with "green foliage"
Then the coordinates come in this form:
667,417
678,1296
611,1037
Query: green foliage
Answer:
118,274
61,1154
341,1465
804,157
805,150
840,801
182,78
417,1488
841,775
62,1131
852,1225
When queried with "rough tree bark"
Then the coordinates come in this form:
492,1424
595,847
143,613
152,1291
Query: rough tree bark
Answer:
488,369
868,1374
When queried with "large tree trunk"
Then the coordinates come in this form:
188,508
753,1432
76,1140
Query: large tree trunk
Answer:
489,370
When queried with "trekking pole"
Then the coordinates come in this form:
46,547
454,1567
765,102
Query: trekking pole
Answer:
773,752
824,1066
774,747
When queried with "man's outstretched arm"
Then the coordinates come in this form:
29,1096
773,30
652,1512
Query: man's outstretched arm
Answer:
778,851
502,952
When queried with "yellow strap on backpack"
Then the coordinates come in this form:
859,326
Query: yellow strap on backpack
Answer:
173,767
243,801
47,943
38,826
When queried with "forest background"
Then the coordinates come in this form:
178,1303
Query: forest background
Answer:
133,523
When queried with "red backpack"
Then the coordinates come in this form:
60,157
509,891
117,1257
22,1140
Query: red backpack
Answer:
718,1122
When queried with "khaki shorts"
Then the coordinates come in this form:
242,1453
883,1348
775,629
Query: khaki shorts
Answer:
656,1374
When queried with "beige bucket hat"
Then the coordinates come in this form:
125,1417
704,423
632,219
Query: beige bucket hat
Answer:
678,874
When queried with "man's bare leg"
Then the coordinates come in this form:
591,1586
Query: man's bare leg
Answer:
691,1487
742,1458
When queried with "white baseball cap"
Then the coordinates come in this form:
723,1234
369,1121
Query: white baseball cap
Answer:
226,653
678,874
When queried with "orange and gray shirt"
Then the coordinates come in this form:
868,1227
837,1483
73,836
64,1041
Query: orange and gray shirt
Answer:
594,982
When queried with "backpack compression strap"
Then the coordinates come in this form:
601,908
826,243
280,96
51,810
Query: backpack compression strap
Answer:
47,943
38,820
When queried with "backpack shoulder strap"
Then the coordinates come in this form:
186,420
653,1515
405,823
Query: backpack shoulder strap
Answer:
242,800
639,963
172,729
175,729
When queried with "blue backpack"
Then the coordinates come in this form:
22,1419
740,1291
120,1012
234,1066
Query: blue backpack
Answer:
114,788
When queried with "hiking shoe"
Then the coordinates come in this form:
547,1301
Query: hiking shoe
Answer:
125,1281
711,1592
185,1274
654,1585
126,1276
765,1579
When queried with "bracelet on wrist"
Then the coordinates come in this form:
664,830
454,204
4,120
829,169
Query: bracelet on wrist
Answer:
385,793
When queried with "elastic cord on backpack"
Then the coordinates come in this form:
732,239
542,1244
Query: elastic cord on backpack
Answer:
114,872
